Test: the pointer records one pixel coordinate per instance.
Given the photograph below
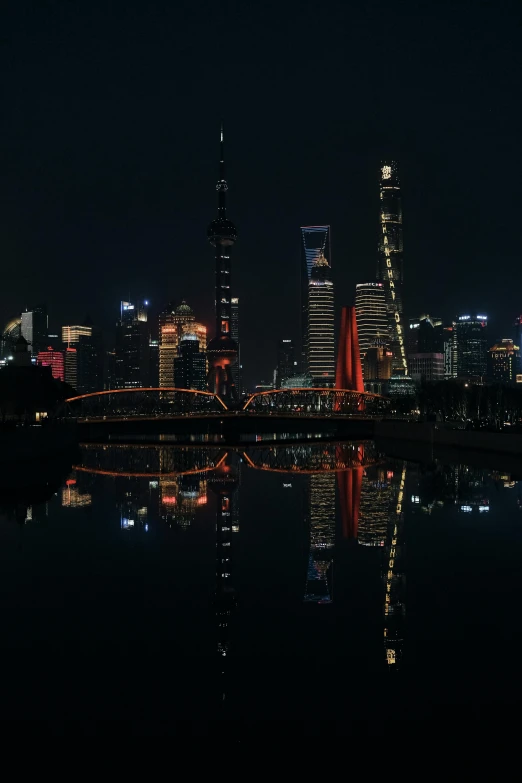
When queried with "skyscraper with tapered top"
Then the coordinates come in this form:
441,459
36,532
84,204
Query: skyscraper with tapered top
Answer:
222,350
321,335
390,262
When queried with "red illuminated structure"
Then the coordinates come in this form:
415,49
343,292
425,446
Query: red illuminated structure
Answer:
348,373
349,483
54,360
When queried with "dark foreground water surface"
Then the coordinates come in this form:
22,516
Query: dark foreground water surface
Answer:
312,583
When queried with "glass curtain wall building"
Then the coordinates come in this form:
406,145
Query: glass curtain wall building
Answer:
390,259
472,347
321,336
132,347
315,242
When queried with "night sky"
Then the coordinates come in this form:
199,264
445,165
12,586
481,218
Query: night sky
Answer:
109,154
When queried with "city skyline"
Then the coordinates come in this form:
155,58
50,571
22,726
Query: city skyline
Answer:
107,182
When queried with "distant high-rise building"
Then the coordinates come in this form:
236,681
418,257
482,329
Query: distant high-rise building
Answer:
11,333
377,365
173,322
71,367
390,261
54,360
234,330
190,365
517,339
87,340
154,362
321,330
450,351
503,360
472,347
286,363
35,328
426,367
222,351
132,347
315,242
370,310
425,335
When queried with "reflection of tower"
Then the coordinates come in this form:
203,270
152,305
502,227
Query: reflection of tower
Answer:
224,483
349,484
394,580
222,350
322,538
389,265
73,496
375,506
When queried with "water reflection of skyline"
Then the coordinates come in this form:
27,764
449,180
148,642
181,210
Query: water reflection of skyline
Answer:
355,502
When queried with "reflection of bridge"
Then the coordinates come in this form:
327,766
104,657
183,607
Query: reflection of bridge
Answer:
171,403
149,461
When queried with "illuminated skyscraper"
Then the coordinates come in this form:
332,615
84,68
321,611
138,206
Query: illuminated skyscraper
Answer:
390,262
321,330
54,360
472,347
236,369
372,320
503,360
286,364
173,321
190,364
315,242
35,328
132,347
71,367
86,339
222,350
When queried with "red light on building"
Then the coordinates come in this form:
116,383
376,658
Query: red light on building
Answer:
54,360
202,500
70,482
169,500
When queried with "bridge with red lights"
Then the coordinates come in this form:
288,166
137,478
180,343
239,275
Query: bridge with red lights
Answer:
162,411
171,403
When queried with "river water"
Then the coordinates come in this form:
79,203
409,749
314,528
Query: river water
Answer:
306,582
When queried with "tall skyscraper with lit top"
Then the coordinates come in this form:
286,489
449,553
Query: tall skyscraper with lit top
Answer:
222,350
315,242
390,259
321,329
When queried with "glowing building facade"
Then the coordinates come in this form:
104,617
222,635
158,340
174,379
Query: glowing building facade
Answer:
321,330
370,310
172,324
190,364
472,347
54,360
315,243
34,327
132,347
390,260
503,360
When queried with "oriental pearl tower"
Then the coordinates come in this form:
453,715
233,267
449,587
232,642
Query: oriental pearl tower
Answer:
222,350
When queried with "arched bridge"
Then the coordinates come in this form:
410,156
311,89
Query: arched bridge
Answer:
171,403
